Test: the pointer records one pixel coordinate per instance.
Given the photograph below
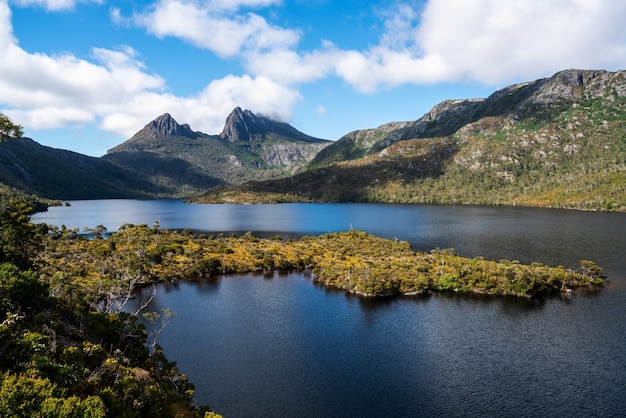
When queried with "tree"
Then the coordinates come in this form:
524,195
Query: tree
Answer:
8,129
20,291
20,239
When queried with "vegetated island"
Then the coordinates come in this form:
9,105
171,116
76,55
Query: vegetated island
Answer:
354,261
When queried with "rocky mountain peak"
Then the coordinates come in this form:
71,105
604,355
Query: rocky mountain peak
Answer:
245,126
514,102
165,125
569,85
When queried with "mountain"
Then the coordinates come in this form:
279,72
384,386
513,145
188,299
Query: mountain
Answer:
245,126
164,159
184,162
518,101
58,174
557,142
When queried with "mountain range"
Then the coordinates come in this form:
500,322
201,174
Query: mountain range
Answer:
164,159
556,142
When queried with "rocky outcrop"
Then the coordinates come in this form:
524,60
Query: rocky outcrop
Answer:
152,135
251,147
165,125
245,126
289,154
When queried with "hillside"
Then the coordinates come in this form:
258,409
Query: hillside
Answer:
164,160
184,162
58,174
555,142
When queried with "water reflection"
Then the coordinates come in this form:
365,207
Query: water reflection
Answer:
285,346
529,235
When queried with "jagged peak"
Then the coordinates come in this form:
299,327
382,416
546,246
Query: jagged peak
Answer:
166,125
245,126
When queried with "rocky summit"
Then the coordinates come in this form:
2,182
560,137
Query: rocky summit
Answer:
245,126
165,125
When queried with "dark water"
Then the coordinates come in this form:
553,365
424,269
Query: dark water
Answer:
281,346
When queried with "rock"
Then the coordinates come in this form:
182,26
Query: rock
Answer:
245,126
165,125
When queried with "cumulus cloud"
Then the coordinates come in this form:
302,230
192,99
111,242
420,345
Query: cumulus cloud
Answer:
213,25
115,90
493,41
478,40
51,91
487,41
290,67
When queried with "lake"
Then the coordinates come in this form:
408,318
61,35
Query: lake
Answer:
282,346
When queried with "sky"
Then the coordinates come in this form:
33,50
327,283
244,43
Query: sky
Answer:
86,75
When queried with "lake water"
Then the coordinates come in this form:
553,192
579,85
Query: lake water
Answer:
282,346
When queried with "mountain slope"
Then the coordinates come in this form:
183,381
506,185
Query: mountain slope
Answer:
517,101
558,142
164,159
182,161
59,174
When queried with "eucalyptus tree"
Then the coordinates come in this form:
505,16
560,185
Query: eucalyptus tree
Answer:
8,129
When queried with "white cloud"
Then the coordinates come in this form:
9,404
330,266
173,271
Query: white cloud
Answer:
205,111
493,41
289,66
260,94
116,91
489,41
52,91
54,5
213,25
51,117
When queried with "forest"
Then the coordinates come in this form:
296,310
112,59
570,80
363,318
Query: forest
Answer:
63,356
70,349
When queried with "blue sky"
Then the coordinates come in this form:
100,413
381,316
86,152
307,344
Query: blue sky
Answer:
85,75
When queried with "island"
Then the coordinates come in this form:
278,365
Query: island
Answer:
354,261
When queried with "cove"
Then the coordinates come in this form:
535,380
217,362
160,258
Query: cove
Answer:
279,345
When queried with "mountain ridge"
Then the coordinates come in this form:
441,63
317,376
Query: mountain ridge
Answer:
187,162
557,142
447,117
164,159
